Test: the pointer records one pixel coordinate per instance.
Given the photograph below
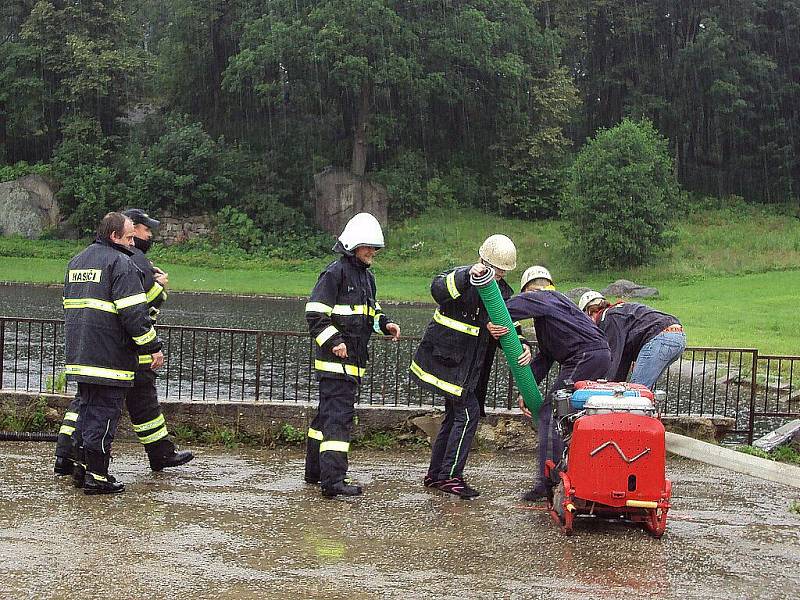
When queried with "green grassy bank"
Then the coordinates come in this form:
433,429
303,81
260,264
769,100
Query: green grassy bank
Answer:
733,277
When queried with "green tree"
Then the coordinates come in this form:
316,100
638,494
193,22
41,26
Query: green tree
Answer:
622,196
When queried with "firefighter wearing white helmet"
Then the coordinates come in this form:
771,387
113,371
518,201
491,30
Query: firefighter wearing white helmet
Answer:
454,359
533,273
342,314
589,299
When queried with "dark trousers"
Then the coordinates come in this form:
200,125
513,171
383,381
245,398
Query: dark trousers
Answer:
584,365
328,443
98,415
141,401
452,444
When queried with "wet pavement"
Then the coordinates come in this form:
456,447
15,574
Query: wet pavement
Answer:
242,524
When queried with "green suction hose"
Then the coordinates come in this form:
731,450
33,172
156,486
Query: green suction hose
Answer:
489,292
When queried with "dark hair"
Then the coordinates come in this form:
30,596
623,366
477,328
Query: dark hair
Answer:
113,222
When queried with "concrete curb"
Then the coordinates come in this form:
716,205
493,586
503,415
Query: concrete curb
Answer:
732,460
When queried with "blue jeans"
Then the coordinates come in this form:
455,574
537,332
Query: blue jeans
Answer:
656,355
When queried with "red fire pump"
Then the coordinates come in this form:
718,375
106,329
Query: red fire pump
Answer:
613,465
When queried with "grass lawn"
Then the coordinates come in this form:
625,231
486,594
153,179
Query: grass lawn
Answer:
732,278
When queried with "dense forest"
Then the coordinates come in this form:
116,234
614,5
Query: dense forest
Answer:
194,105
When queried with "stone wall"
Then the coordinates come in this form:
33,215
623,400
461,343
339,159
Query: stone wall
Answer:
174,230
28,206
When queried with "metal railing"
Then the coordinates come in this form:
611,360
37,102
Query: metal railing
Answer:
235,365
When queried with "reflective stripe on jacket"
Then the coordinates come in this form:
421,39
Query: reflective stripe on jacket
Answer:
456,351
343,309
106,321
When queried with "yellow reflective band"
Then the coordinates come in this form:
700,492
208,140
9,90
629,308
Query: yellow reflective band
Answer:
358,309
70,416
334,447
131,301
326,334
457,325
378,306
145,359
98,372
145,338
66,430
95,303
451,285
315,435
151,424
343,368
84,275
97,477
641,504
318,307
154,292
154,437
450,388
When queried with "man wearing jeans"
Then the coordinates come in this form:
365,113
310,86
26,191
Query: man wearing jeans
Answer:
636,332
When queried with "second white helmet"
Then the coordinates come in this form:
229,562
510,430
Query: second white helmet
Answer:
589,298
362,230
535,272
499,251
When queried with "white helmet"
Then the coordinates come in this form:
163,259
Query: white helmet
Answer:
499,251
362,230
535,272
589,298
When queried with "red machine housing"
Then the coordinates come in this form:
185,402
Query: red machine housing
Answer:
615,468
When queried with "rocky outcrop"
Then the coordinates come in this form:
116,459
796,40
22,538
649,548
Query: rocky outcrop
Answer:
622,288
174,230
338,195
28,206
575,293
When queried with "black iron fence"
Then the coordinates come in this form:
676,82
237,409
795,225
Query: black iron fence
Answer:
213,364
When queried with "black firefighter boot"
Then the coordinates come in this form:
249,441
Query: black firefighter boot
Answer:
79,467
63,465
164,454
97,480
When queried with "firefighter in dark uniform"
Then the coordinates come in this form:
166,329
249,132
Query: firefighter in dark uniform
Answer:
636,333
142,399
564,335
342,313
454,359
107,327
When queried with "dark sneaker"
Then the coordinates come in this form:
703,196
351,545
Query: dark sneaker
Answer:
63,466
457,487
535,494
341,488
313,480
428,481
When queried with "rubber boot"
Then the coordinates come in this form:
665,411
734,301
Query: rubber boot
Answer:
97,480
163,454
341,488
63,465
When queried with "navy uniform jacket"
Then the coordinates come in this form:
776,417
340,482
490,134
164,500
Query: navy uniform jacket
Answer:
154,292
456,353
106,320
629,326
343,308
563,331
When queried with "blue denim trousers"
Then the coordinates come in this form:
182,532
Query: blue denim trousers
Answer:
656,355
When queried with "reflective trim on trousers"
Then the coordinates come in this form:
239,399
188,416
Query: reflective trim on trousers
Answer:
315,434
98,372
70,416
443,385
66,430
457,325
343,368
154,437
151,424
334,447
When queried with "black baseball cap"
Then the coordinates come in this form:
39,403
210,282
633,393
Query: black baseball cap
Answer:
137,215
